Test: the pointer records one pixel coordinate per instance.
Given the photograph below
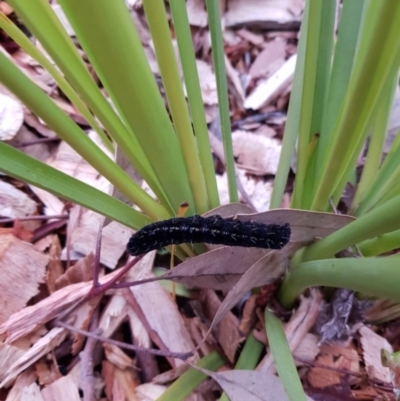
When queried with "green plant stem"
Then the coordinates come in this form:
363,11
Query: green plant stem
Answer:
381,244
377,277
319,37
214,22
293,119
283,358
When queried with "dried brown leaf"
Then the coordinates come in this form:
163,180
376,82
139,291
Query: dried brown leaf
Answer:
229,210
265,271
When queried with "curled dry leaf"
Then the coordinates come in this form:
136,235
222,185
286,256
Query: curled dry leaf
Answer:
306,226
266,270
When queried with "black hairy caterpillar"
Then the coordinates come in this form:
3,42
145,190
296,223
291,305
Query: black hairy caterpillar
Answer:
211,230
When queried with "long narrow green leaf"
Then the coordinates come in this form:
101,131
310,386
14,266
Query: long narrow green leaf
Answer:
214,22
186,51
18,165
122,66
283,358
316,73
293,119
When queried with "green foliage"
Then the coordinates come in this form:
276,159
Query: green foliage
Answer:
341,98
